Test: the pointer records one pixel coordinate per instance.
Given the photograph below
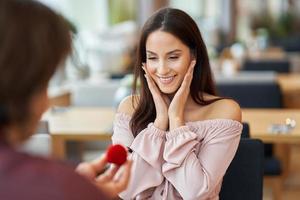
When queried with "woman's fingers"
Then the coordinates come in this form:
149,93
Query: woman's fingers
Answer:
190,73
187,78
152,86
156,94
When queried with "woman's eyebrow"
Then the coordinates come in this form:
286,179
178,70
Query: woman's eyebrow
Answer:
150,52
174,51
170,52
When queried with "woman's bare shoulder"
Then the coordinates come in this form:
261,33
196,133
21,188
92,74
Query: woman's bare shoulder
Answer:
128,104
221,108
225,109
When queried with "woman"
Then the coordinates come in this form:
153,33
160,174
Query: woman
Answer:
34,41
182,135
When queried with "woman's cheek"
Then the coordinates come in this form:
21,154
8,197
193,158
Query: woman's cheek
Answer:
180,66
151,67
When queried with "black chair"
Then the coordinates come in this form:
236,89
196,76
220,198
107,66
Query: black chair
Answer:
244,176
245,131
280,66
272,165
259,95
254,94
288,44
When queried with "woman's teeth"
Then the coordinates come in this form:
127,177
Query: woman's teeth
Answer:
166,80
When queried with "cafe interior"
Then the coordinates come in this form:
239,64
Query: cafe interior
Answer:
254,52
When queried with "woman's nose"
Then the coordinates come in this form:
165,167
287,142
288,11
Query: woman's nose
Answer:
162,68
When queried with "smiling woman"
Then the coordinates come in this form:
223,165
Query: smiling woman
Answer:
168,60
182,135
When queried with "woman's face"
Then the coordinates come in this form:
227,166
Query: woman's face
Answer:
167,60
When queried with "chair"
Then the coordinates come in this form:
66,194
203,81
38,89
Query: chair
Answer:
254,94
244,176
260,95
245,131
280,66
288,44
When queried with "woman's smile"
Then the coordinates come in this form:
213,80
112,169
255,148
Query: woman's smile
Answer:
166,80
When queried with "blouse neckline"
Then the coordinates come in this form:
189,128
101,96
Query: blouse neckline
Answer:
127,117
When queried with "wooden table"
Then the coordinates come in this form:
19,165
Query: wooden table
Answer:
59,96
90,124
78,124
260,120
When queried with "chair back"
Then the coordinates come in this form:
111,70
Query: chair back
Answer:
245,131
280,66
244,176
253,95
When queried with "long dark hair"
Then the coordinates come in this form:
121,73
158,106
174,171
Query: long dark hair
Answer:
34,41
181,25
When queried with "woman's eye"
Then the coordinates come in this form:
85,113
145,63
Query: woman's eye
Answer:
173,57
151,58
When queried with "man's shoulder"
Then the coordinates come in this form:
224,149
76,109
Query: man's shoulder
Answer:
35,178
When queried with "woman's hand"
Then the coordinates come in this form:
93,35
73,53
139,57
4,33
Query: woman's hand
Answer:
177,106
161,102
107,181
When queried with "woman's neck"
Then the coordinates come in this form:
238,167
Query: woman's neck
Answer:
189,104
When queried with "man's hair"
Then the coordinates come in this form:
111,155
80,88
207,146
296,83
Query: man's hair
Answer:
34,41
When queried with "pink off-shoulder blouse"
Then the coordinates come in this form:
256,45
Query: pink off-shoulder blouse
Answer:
186,163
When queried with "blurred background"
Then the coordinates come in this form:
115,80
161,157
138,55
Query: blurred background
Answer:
105,33
252,44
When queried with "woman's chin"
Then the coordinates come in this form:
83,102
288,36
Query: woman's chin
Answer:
169,91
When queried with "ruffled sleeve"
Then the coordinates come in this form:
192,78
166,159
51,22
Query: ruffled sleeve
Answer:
193,173
147,148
